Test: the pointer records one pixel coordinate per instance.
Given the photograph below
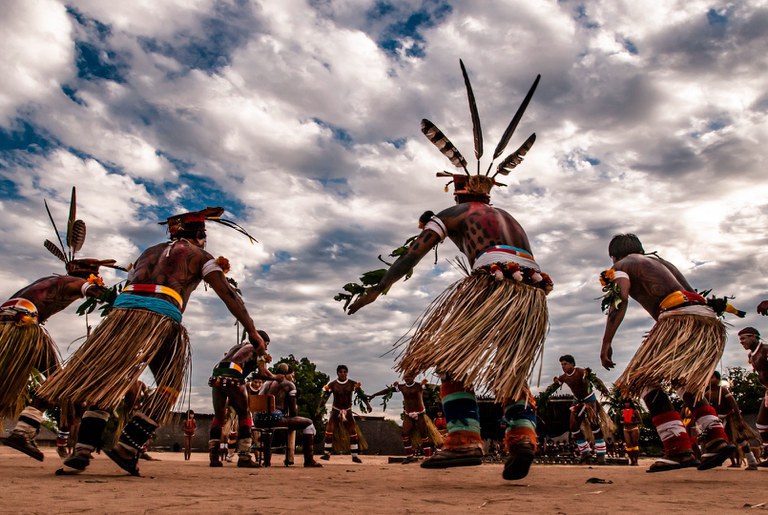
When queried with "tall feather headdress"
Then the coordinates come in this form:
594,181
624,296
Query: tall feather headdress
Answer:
480,184
75,238
197,219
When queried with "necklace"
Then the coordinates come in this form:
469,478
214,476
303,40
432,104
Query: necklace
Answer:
342,382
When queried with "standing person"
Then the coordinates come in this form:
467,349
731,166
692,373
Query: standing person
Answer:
749,338
25,345
682,349
342,389
486,329
415,418
581,381
286,412
188,426
144,330
630,419
738,431
228,389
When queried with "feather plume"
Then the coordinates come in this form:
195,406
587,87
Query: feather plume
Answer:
71,222
477,131
516,157
515,120
55,229
233,225
445,146
56,251
76,236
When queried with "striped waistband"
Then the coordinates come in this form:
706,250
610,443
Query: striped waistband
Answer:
227,367
155,288
505,254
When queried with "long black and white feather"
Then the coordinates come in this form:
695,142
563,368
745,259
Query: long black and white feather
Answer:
516,157
477,131
233,225
513,124
56,230
56,251
443,144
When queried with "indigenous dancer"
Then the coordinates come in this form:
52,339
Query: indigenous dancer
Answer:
144,330
228,389
188,426
586,407
630,419
286,412
415,418
25,346
342,388
682,350
486,329
749,338
736,428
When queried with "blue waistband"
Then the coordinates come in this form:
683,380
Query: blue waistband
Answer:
160,306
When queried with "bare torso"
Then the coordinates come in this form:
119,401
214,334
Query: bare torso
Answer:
280,390
474,227
759,361
413,397
577,382
52,294
244,355
342,393
651,280
181,269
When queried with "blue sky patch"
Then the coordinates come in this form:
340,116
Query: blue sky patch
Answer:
339,134
94,62
407,25
717,18
629,46
27,137
203,192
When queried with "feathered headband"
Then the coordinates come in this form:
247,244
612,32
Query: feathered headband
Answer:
75,240
480,184
196,220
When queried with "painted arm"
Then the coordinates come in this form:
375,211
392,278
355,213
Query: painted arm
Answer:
615,317
416,251
383,392
762,308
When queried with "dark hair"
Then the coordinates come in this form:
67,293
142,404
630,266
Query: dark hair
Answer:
462,198
717,375
568,358
750,330
341,367
425,217
264,335
623,245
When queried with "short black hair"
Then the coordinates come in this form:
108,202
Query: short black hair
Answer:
623,245
426,216
264,335
717,375
568,358
341,367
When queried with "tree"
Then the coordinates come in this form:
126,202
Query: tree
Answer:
746,389
309,384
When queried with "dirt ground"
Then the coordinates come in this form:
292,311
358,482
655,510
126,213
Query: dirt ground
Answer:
172,485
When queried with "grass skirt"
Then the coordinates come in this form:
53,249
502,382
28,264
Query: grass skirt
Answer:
341,438
485,333
432,433
24,349
110,362
681,351
598,416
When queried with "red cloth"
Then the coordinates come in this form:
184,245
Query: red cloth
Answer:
189,427
674,443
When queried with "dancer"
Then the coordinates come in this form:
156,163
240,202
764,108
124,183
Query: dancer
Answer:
341,418
749,338
188,426
682,350
228,389
630,419
486,329
26,348
738,431
286,412
144,330
415,418
586,407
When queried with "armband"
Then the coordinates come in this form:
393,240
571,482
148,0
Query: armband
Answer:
437,226
211,266
84,288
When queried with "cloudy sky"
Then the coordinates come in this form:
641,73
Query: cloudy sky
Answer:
301,117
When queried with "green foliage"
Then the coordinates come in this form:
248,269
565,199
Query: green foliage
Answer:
387,397
432,401
543,398
746,389
107,299
370,279
309,384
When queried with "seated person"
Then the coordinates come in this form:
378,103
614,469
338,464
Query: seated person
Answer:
285,412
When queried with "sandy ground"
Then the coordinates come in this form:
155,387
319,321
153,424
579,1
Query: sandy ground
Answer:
172,485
